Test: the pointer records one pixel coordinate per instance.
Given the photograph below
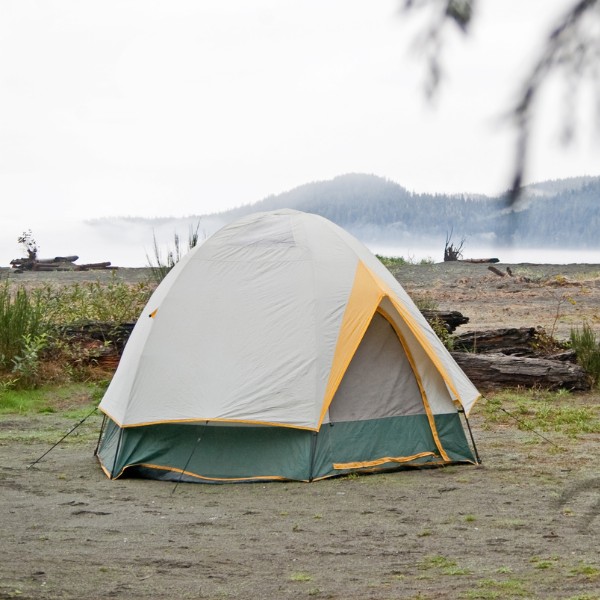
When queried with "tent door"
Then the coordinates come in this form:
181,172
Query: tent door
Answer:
378,411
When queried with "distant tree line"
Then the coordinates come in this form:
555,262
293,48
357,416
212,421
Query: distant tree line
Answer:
564,212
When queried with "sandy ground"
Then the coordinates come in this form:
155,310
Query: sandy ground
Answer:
523,525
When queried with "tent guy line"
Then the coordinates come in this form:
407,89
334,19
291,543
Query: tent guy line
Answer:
64,437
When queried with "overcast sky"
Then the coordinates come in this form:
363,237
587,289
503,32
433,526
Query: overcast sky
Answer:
151,108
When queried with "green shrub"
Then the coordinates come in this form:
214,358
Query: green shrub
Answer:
439,327
425,302
112,302
160,267
33,347
26,365
587,349
398,261
392,261
21,324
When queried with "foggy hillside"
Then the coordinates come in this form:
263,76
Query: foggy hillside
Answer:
563,212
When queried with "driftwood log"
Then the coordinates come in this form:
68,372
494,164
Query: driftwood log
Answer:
516,341
498,272
58,263
114,335
97,343
94,266
496,371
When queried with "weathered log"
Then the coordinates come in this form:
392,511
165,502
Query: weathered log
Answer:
479,260
496,271
514,341
57,259
115,335
521,341
72,259
52,267
496,371
66,263
21,263
91,266
564,356
450,318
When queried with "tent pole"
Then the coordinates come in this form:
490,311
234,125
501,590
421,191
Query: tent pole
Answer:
118,448
477,457
100,435
187,462
313,447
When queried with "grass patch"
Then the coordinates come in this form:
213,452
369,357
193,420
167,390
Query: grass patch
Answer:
543,563
585,569
455,571
70,399
496,588
503,570
437,561
392,262
301,576
55,411
425,302
542,410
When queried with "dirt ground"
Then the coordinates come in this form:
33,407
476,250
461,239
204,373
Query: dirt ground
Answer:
522,525
555,297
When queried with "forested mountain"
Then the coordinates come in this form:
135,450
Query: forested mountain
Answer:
553,213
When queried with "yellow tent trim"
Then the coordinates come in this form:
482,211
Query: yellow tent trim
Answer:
106,471
381,461
365,298
417,332
196,476
411,360
407,351
362,304
205,420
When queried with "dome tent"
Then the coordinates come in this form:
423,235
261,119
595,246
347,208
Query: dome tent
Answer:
281,348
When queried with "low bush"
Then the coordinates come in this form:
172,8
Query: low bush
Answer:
587,348
34,348
23,328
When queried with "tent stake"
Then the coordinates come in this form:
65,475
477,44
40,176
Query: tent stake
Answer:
62,438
